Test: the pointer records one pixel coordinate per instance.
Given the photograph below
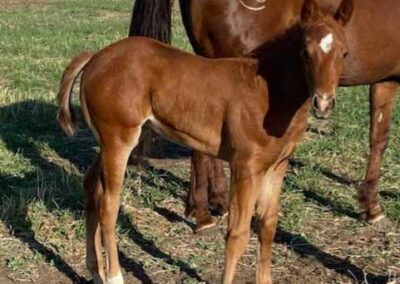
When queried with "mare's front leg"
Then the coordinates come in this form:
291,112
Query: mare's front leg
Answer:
245,180
382,98
267,214
197,202
218,197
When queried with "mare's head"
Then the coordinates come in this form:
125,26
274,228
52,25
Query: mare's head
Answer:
325,47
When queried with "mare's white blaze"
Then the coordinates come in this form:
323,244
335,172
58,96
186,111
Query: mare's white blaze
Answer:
326,43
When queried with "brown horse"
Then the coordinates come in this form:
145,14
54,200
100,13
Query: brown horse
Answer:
244,123
226,28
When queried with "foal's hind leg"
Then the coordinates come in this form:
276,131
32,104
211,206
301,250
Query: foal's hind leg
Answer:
267,214
94,248
382,97
115,148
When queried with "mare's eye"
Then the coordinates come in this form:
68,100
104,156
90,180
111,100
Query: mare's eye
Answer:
345,54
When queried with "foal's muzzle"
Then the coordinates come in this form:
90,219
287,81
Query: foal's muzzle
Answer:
322,106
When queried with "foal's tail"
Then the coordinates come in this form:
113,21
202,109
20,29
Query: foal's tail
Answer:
66,116
152,18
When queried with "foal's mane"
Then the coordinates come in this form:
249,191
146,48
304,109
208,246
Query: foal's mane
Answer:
288,43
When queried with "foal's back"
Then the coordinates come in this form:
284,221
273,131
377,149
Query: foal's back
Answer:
139,79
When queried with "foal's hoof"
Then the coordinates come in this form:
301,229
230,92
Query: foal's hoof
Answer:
372,217
377,219
118,279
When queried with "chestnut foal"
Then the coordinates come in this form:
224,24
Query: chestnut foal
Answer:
220,107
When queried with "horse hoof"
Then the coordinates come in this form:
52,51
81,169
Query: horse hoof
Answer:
381,223
118,279
377,219
202,227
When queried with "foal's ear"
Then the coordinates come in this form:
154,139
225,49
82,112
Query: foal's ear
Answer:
309,11
344,12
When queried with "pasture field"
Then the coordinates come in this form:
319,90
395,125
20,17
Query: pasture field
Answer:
42,233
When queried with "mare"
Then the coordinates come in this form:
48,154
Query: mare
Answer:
232,28
244,123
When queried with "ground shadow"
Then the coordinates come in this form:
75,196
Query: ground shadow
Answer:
389,195
326,172
22,229
301,246
312,196
150,247
133,267
168,177
24,128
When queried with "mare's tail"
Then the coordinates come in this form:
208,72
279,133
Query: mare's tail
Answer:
152,18
66,116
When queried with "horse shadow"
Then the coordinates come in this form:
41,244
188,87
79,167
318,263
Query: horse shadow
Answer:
327,202
26,127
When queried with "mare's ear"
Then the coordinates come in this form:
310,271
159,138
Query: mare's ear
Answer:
309,11
344,12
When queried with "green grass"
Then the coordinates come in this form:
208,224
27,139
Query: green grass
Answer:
41,199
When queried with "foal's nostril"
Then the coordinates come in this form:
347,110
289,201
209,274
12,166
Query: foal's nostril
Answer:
315,102
322,106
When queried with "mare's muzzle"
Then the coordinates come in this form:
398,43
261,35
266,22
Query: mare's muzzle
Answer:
323,106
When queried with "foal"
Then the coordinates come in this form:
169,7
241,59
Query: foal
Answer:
216,106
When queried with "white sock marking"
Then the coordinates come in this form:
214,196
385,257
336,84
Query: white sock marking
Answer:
380,118
118,279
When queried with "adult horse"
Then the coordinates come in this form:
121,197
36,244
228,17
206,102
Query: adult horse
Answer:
226,28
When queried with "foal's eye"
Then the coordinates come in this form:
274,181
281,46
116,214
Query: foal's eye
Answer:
345,54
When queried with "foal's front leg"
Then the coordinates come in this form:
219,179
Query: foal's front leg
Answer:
267,214
382,98
244,192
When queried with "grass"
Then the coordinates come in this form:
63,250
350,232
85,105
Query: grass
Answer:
41,202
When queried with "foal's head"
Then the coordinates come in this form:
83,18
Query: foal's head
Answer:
324,50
